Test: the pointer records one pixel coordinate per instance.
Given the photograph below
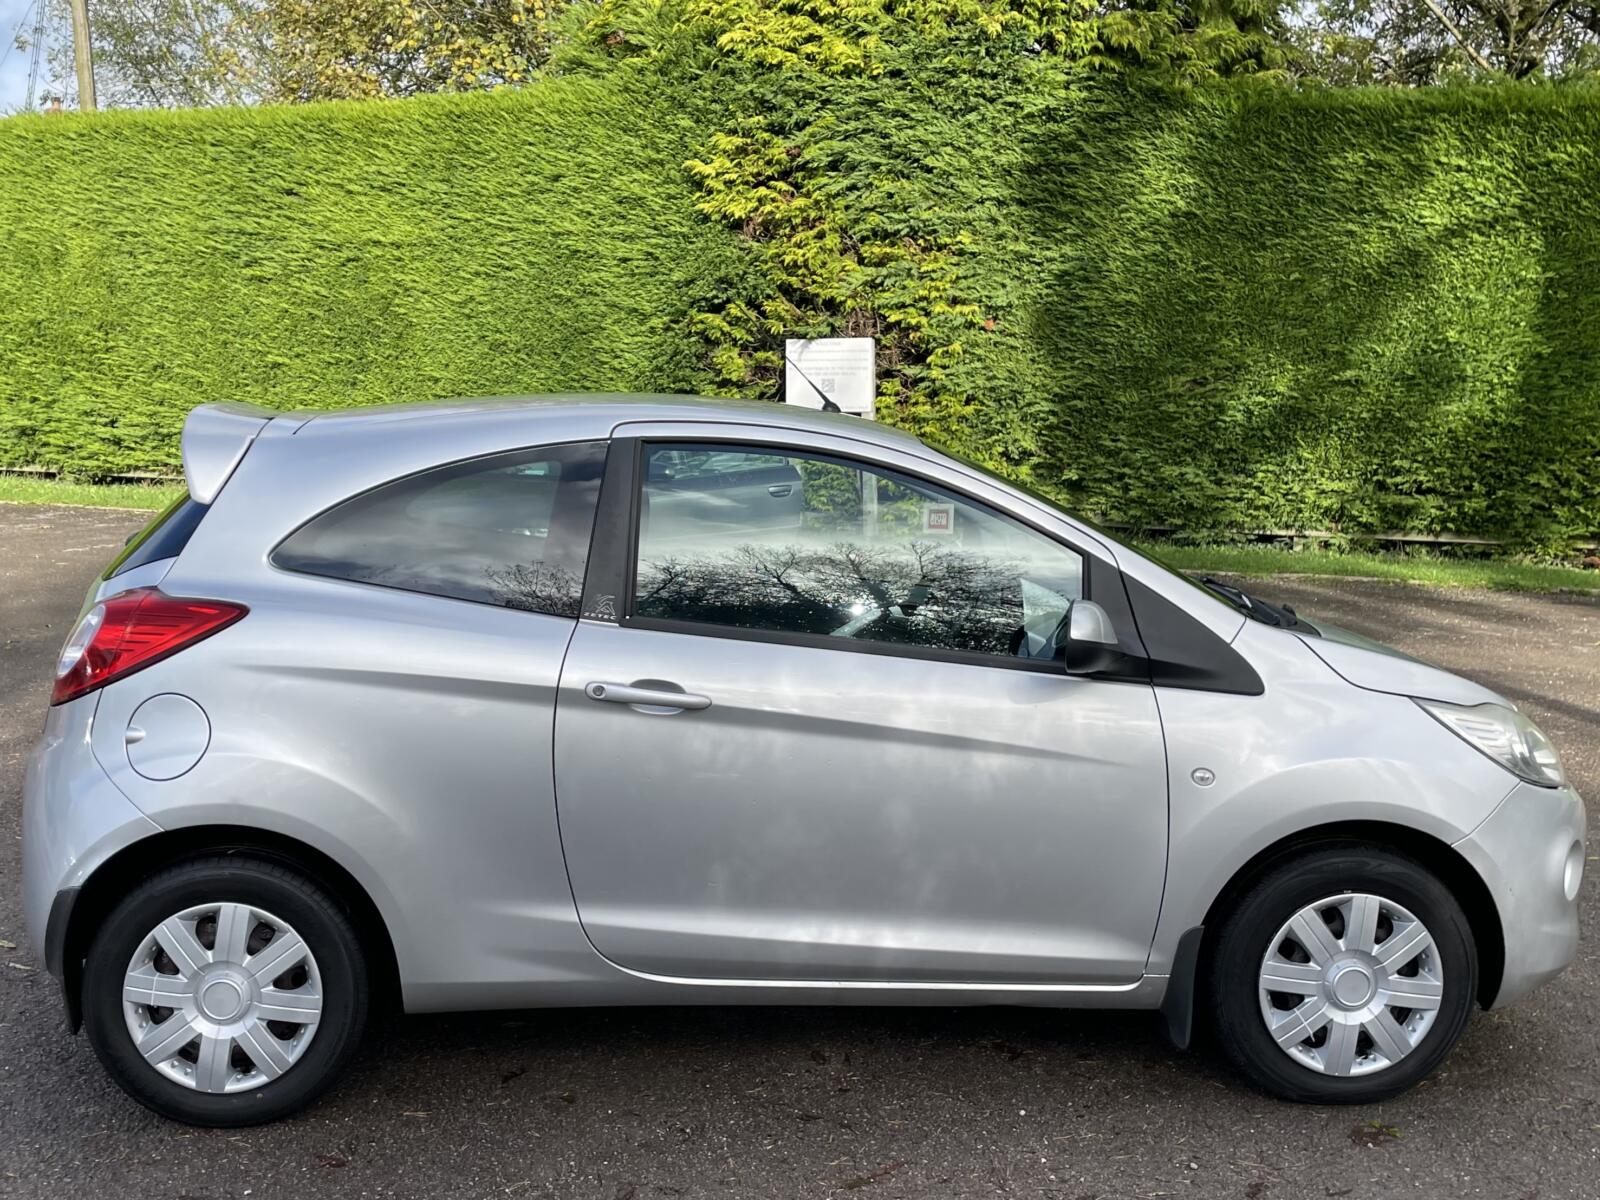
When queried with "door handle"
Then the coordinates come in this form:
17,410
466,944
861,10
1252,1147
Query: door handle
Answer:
780,490
654,698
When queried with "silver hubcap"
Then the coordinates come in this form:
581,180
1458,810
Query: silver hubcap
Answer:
1351,984
222,997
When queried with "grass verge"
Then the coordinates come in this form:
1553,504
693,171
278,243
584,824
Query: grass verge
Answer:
42,489
1500,574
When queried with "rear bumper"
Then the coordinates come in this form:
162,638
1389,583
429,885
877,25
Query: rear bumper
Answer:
73,820
1524,852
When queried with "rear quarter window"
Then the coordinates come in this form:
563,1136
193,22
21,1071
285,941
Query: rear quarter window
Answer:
510,530
164,537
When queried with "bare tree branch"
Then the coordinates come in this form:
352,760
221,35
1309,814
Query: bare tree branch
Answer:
1456,33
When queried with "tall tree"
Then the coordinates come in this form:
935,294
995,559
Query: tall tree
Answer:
1417,42
333,49
1192,39
168,53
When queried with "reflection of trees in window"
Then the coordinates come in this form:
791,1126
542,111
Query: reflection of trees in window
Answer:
900,507
922,593
536,587
833,498
832,493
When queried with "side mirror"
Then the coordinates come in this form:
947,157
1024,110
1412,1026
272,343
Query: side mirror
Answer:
1086,641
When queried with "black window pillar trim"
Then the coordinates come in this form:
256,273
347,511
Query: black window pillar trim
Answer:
608,583
1183,652
1104,585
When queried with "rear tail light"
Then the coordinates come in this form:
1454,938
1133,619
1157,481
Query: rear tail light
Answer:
131,630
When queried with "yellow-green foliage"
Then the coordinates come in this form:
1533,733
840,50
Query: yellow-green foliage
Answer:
353,49
337,254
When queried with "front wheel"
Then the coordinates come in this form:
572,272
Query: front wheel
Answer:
1344,976
226,991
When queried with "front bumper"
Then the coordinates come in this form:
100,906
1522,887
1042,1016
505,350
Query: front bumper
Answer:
1525,851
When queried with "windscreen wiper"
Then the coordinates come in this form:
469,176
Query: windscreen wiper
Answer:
1234,596
1281,615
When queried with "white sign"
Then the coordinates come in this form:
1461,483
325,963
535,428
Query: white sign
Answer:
938,518
841,369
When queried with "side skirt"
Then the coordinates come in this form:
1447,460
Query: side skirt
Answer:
629,988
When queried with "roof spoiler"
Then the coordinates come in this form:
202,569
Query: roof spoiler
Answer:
215,437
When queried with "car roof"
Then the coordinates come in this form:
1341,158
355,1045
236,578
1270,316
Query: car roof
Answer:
607,410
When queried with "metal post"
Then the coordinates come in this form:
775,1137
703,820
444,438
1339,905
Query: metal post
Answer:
83,55
38,57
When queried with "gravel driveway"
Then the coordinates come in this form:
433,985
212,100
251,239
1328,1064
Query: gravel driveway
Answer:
784,1103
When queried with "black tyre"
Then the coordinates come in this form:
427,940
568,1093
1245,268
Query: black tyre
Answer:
225,991
1343,976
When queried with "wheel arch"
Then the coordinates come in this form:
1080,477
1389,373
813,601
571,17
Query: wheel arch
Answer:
1457,874
128,867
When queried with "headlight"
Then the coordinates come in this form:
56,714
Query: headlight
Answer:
1505,735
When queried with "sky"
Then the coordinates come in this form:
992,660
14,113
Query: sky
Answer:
14,14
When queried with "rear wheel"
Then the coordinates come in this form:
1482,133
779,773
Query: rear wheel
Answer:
1344,976
226,991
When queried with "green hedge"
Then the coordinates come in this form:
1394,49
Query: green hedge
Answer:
328,255
1361,311
1239,308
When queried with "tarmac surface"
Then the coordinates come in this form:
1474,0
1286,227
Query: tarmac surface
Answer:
636,1104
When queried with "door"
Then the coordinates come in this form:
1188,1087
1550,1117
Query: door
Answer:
826,739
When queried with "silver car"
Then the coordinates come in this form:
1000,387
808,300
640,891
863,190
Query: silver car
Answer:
652,700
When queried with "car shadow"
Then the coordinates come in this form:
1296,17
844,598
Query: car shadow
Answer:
844,1066
616,1051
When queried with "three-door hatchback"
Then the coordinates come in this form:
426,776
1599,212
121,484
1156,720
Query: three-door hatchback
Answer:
653,700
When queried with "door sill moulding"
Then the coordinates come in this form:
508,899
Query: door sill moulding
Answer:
1145,992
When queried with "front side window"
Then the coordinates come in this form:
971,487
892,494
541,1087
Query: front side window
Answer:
512,530
757,539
